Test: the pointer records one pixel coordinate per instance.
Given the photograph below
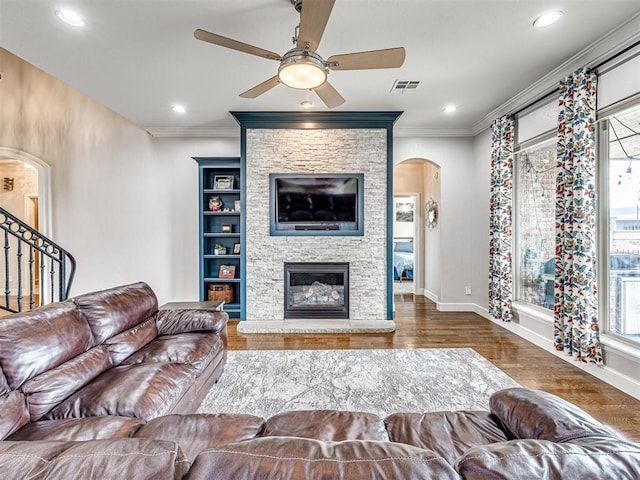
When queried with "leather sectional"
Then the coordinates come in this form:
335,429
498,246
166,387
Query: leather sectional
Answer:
103,386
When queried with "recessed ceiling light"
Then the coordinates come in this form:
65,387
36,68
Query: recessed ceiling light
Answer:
70,18
306,104
449,109
178,109
547,19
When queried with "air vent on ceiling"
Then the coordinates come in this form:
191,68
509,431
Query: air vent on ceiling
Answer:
405,86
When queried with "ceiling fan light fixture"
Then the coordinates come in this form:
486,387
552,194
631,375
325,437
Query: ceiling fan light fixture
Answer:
302,69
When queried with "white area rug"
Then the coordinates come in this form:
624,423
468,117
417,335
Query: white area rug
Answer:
265,383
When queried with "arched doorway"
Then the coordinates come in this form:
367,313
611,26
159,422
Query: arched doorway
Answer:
31,194
416,231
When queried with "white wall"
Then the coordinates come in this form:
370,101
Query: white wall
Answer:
432,239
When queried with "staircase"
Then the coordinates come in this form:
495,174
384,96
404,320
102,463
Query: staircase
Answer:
36,270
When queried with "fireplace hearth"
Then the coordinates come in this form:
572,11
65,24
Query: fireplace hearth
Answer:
316,290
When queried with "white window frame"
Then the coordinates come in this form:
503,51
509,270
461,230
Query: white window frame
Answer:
608,336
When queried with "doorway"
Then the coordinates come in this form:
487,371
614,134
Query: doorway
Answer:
416,234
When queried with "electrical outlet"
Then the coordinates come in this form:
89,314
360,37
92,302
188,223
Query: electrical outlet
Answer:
467,290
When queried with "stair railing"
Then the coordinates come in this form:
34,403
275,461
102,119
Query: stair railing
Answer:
34,265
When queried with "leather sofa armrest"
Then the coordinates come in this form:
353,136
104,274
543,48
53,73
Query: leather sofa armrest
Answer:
170,322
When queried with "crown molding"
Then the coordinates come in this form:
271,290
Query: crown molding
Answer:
194,132
401,132
613,42
234,132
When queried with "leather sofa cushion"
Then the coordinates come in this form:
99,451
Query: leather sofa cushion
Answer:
104,459
39,340
540,415
327,425
79,429
449,434
537,459
197,432
195,349
171,322
117,309
144,390
50,388
294,458
130,341
13,413
4,385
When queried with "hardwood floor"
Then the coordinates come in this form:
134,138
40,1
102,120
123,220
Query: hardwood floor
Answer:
420,325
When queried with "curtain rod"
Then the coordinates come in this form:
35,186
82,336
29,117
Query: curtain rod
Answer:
595,67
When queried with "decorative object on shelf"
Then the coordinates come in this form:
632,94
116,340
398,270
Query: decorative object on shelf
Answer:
227,271
227,228
219,249
220,292
223,182
236,249
432,213
236,205
215,204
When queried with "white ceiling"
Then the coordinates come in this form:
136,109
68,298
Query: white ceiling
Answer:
139,57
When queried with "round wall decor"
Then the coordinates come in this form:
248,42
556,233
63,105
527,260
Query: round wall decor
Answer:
432,214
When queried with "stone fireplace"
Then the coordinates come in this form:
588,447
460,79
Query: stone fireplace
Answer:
318,143
316,290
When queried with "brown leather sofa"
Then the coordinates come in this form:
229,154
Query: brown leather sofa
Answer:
526,435
108,353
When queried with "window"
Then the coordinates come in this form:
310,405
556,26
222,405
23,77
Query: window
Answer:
620,223
535,224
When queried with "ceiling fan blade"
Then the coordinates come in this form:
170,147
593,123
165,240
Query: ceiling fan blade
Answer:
386,58
234,44
329,95
313,20
262,88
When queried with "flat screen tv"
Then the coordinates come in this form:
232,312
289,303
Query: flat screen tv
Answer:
316,204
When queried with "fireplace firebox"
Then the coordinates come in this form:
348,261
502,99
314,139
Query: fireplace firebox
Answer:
316,290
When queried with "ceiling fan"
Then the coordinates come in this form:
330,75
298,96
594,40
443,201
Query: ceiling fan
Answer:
302,67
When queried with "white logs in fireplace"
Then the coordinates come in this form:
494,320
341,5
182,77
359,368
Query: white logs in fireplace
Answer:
316,290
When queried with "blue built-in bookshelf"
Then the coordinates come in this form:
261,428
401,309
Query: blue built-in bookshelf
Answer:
221,214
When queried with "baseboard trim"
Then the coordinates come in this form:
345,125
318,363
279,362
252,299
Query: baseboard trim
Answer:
456,307
430,295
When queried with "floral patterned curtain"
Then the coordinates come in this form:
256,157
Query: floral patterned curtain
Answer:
500,222
576,327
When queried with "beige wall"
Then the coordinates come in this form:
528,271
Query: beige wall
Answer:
123,203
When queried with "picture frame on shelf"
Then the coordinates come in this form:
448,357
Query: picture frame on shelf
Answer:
227,228
223,182
236,249
227,271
